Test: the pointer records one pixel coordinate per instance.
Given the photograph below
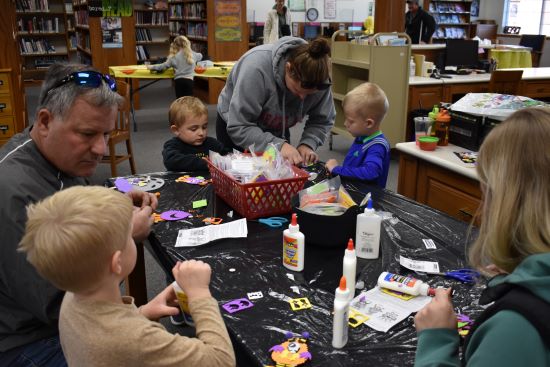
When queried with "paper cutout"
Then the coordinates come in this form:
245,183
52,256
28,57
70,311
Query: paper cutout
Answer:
143,183
201,235
199,180
123,185
212,220
299,304
356,318
157,218
293,352
199,204
464,324
174,215
255,295
237,305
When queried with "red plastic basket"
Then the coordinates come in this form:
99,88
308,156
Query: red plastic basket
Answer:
257,199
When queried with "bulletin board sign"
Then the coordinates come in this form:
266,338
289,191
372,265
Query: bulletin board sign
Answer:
95,8
330,9
117,8
297,5
228,20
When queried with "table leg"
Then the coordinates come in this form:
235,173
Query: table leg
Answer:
135,283
132,111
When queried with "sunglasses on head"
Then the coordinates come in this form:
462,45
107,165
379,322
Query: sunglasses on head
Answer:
88,78
319,86
311,85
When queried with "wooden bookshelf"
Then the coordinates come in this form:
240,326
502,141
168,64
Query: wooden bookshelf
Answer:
452,18
152,34
42,36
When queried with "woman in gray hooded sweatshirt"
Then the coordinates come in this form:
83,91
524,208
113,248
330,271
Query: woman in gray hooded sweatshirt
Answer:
272,88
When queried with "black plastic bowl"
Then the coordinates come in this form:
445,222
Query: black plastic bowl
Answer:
326,231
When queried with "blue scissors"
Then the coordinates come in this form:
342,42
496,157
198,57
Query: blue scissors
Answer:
273,222
468,276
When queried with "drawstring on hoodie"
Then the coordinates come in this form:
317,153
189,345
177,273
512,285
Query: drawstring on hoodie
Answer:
60,181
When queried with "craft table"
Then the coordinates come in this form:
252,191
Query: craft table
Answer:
220,70
254,264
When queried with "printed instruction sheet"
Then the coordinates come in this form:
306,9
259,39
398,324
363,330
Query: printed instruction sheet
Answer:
203,235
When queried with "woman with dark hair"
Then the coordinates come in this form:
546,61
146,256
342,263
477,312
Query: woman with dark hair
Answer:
272,88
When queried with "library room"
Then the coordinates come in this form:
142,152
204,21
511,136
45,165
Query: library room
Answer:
274,182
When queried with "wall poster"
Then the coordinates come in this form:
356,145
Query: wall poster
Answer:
330,9
297,5
228,20
111,31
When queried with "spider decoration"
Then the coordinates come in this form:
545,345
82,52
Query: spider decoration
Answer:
292,352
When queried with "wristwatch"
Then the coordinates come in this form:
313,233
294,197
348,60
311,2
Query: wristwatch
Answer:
312,14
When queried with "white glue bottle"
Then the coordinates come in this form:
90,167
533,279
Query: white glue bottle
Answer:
367,233
350,265
293,246
403,284
341,315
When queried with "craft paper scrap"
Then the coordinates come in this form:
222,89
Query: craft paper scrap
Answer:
199,203
385,311
202,235
417,265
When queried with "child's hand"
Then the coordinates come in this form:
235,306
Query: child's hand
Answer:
307,154
291,154
193,277
331,163
164,304
438,314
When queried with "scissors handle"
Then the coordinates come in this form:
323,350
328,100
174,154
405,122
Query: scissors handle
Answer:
464,275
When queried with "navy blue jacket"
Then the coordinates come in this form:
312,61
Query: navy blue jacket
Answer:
367,160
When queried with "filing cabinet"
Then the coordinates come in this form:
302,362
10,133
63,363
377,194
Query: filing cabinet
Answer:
7,117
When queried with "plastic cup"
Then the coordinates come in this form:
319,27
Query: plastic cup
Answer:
421,127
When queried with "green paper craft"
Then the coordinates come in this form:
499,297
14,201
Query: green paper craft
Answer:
199,203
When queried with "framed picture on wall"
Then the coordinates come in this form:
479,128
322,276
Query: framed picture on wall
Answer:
297,5
330,9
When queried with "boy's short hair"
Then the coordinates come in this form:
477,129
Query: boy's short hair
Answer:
71,236
369,100
184,107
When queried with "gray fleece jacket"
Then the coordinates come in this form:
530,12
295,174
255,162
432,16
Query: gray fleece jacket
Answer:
182,69
257,106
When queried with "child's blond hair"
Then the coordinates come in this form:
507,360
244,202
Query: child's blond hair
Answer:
184,107
71,236
514,171
369,100
181,43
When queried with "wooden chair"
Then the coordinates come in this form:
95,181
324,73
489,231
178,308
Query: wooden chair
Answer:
121,133
505,81
536,42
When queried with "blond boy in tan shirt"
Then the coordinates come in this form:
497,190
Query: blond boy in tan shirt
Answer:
80,240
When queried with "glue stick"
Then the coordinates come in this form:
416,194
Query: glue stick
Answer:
403,284
183,303
341,315
350,265
293,246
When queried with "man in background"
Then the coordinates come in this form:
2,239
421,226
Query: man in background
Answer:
419,25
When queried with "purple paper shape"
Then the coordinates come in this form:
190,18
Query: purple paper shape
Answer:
174,215
237,305
123,185
194,180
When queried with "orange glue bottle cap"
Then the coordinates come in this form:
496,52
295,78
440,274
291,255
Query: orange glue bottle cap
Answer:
350,244
343,285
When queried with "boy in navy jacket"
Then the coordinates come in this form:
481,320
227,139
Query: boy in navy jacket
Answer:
189,122
368,159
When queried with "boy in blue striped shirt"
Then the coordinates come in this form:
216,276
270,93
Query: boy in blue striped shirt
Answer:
368,159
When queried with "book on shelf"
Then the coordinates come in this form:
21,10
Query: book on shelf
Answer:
32,5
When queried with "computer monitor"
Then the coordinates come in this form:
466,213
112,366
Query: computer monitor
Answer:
353,31
462,54
311,31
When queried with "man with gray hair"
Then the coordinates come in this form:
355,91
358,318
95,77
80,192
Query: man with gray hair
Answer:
77,110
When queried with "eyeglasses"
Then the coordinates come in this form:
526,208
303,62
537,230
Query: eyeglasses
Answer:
88,78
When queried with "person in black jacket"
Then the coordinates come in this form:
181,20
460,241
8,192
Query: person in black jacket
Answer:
189,122
419,25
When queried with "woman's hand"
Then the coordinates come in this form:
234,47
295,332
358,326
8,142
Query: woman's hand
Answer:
291,154
307,154
438,314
